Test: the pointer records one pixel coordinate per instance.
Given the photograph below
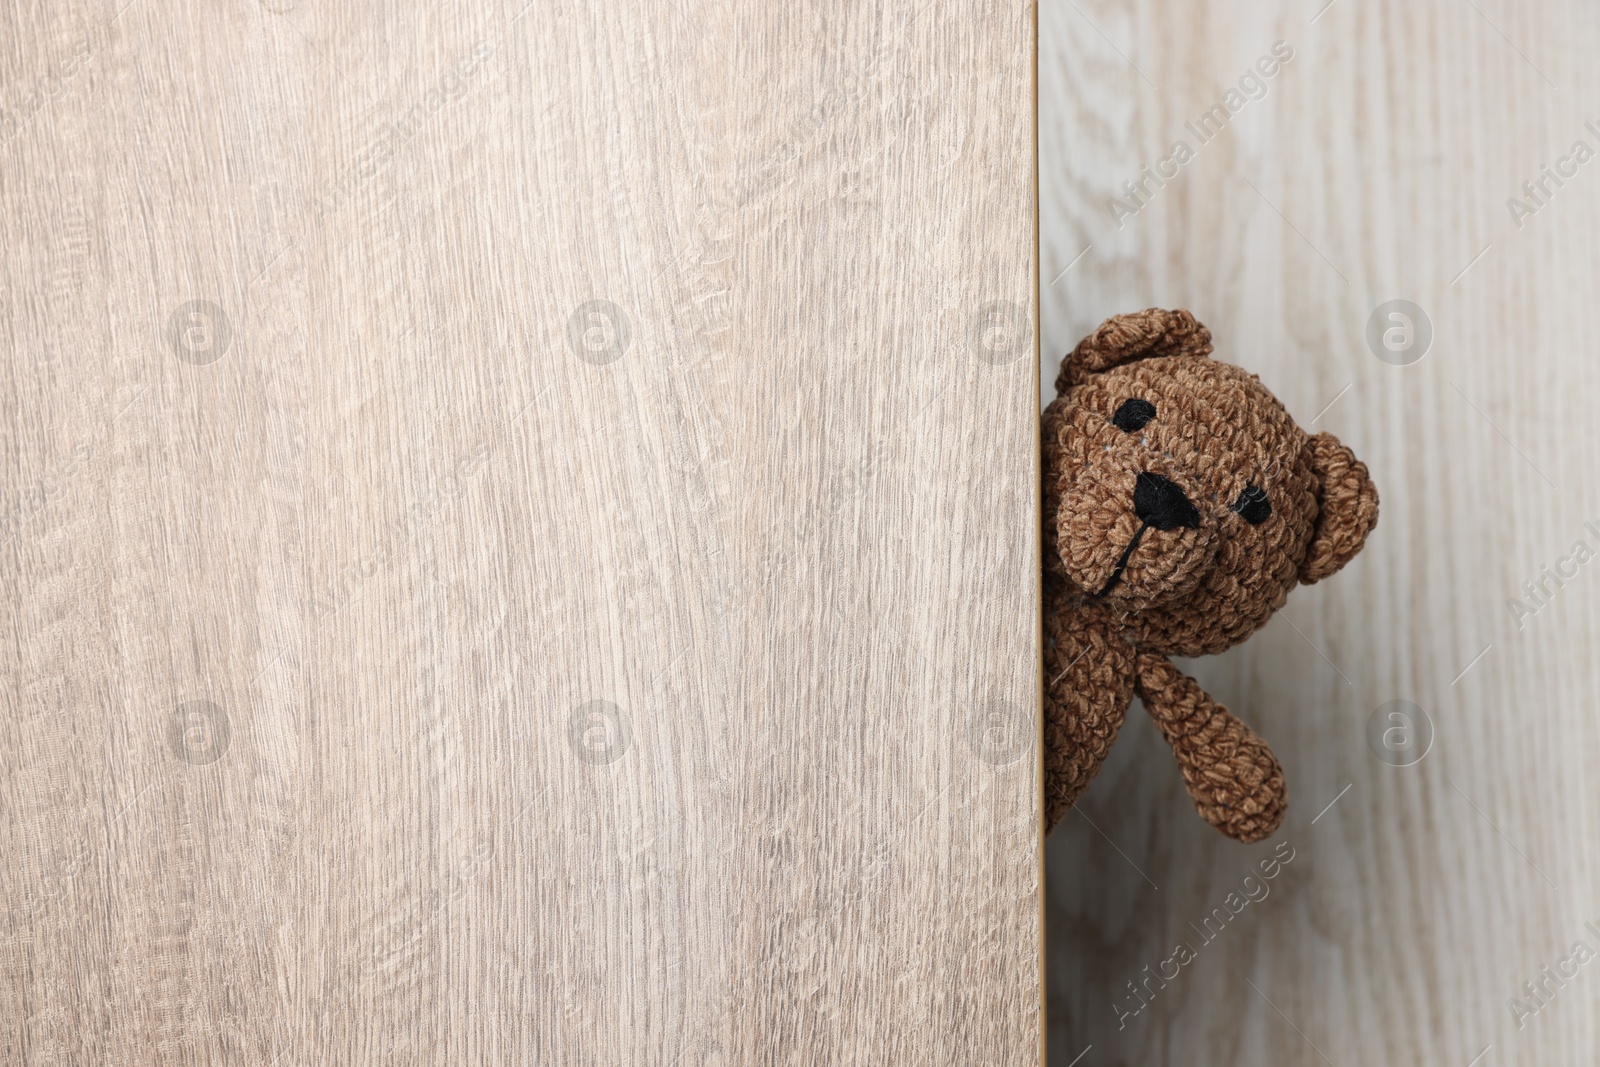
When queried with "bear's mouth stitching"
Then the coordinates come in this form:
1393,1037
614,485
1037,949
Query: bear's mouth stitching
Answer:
1122,563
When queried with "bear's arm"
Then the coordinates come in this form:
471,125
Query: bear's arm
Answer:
1088,685
1233,778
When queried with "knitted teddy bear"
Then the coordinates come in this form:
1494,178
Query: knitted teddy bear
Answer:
1181,504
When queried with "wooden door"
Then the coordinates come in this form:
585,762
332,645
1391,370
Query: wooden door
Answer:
521,534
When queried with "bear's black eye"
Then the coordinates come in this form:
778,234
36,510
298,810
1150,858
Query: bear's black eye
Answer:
1133,414
1253,506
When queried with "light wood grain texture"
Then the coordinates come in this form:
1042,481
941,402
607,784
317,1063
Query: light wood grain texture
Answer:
1377,166
568,593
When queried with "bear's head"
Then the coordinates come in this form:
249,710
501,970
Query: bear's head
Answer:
1181,496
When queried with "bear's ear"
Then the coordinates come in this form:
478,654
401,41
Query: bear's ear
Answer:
1347,508
1123,338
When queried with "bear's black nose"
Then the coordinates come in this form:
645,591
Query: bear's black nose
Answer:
1159,502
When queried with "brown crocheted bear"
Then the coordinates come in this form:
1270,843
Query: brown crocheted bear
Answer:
1181,504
